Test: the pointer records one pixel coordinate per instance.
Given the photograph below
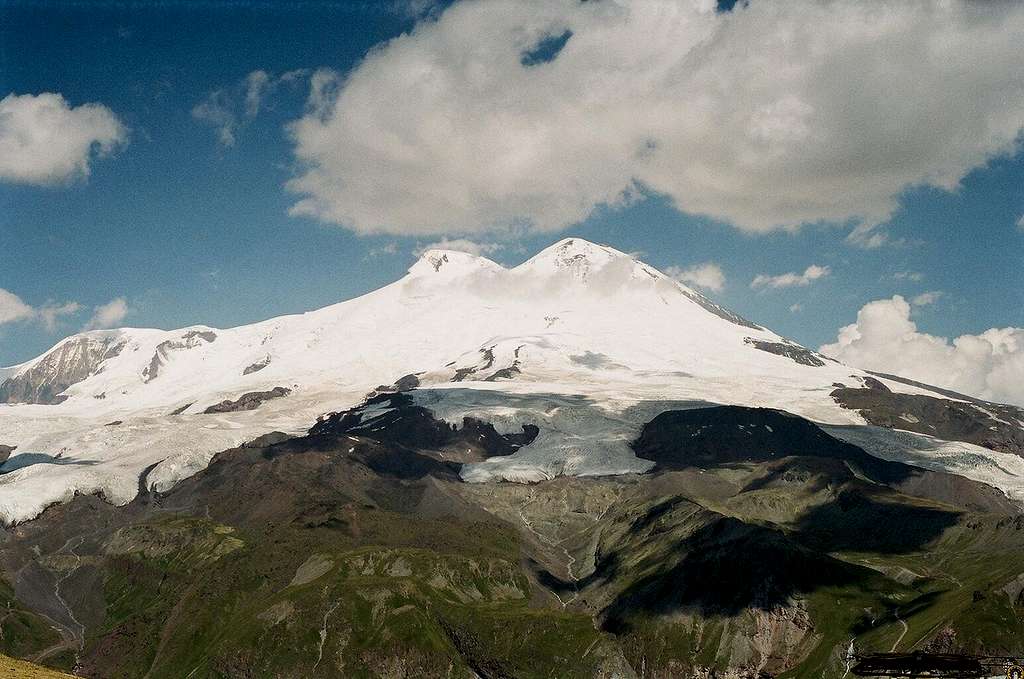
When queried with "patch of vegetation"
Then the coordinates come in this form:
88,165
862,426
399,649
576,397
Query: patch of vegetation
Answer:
22,632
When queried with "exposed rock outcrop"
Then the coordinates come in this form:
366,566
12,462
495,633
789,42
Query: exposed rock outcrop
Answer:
67,364
189,340
790,350
257,366
249,401
994,426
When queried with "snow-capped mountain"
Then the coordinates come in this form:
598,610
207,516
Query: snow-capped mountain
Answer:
583,341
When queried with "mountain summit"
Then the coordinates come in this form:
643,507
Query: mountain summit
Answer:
581,341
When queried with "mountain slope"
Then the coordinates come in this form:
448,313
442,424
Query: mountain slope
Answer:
582,341
356,551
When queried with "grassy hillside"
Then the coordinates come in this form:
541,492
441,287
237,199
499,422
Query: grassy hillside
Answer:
12,668
351,556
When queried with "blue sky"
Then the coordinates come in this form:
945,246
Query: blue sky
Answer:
188,230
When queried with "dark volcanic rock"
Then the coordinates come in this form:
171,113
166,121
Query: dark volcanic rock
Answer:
990,425
415,428
257,366
708,437
722,435
405,383
877,385
793,352
249,401
5,452
267,440
488,358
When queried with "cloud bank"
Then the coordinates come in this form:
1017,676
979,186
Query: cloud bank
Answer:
989,365
770,116
44,140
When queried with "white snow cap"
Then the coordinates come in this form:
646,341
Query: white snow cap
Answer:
582,340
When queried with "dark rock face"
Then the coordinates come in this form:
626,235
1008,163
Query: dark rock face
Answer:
267,440
405,383
68,364
872,383
488,361
793,352
5,452
414,428
993,426
723,435
257,366
706,437
249,401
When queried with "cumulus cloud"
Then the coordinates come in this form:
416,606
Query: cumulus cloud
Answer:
12,308
770,116
108,315
460,244
791,279
707,275
229,109
796,308
45,140
989,365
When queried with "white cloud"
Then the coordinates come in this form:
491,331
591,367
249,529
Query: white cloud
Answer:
1020,222
989,365
228,109
869,236
12,308
256,84
796,308
770,116
44,140
791,279
217,110
707,275
108,315
50,313
915,276
926,298
386,249
460,244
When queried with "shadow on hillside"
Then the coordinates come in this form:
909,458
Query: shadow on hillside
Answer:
28,459
728,566
856,522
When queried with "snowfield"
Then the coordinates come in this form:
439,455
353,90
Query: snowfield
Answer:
582,340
